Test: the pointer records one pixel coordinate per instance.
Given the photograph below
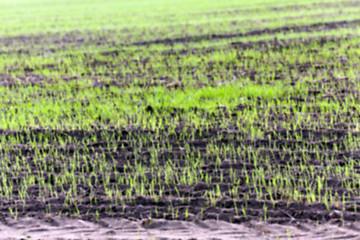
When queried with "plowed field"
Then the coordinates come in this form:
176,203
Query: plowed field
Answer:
233,113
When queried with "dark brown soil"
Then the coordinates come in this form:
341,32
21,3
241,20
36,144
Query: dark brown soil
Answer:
188,202
280,210
321,26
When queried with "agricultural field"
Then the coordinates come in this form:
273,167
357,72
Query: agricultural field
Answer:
159,112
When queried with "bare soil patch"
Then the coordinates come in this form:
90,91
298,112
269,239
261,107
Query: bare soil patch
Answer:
55,227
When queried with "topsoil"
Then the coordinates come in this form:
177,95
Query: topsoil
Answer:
145,217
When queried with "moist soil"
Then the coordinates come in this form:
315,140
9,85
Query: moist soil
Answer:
185,208
182,198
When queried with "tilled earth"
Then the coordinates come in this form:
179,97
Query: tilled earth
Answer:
181,197
112,228
69,181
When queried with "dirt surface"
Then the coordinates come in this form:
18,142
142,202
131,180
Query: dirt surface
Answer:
182,198
64,228
183,211
321,26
